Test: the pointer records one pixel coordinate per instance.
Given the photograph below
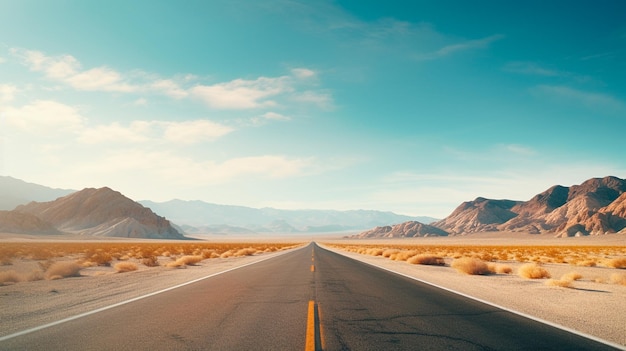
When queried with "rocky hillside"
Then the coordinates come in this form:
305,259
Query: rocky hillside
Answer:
411,229
101,212
24,223
597,206
594,207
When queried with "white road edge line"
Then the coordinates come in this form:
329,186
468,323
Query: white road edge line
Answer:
558,326
85,314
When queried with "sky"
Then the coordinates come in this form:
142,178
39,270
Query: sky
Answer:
411,107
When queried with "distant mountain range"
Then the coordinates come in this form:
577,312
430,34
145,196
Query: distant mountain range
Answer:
595,207
89,212
15,192
197,216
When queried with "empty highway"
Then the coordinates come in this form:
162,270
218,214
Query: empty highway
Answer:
309,298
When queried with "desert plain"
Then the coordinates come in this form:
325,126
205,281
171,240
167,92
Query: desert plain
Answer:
585,291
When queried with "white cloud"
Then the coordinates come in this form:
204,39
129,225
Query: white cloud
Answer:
194,131
186,132
455,48
530,68
67,69
321,99
590,99
243,94
302,73
169,88
275,116
44,116
7,92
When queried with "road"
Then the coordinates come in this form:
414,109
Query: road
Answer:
309,297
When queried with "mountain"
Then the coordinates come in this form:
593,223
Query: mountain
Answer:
101,212
15,192
199,214
24,223
478,215
403,230
597,206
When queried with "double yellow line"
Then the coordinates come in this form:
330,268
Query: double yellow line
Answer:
313,330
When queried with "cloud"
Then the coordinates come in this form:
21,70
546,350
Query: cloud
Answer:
194,131
186,132
455,48
590,99
243,94
169,88
7,92
321,99
44,116
67,69
530,68
186,170
303,73
275,116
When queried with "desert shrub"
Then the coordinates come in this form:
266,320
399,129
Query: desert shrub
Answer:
499,268
187,260
245,252
561,283
427,260
34,275
571,276
63,269
619,262
375,252
618,278
151,261
125,266
470,265
99,257
404,255
226,254
533,271
9,277
389,252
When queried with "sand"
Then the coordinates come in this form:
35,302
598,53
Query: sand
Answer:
593,308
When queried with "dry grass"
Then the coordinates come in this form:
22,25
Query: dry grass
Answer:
426,260
9,277
618,278
187,260
571,276
561,283
533,271
618,262
63,269
470,265
122,267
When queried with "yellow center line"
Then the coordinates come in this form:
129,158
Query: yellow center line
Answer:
312,268
310,328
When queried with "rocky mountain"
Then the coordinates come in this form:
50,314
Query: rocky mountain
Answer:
594,207
597,206
478,215
101,212
15,192
202,214
24,223
409,229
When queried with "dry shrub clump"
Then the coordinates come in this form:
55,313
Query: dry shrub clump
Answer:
63,269
618,278
619,262
9,277
187,260
151,261
470,265
533,271
248,251
499,268
565,281
125,266
426,259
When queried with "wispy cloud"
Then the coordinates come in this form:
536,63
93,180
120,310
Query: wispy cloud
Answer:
237,94
459,47
587,98
68,70
44,116
530,68
7,92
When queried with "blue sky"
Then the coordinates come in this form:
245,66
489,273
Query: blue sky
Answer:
313,104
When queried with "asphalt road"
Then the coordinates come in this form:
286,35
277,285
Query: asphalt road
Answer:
310,296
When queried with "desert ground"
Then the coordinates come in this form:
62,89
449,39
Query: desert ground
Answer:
590,300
